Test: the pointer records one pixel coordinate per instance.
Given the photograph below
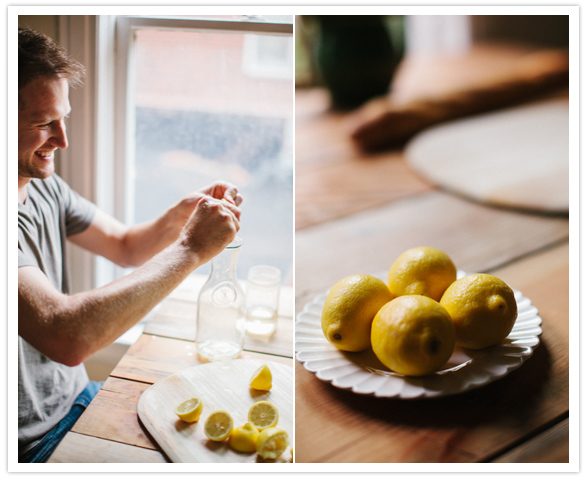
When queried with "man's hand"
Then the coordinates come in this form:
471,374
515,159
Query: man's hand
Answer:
209,218
218,190
223,190
211,227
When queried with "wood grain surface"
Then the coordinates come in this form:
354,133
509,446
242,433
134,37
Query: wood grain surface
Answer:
330,169
104,451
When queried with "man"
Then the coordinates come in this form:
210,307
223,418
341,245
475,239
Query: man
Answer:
58,331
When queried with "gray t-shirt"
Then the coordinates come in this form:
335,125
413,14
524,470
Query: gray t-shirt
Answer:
46,390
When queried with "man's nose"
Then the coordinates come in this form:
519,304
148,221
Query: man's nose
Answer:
59,135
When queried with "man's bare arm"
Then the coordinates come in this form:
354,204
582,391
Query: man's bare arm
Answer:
68,329
133,246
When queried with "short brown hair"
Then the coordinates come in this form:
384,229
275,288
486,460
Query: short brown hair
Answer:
40,56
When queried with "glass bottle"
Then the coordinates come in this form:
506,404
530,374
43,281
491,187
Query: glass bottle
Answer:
220,325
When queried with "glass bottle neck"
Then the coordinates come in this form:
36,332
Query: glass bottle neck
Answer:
224,264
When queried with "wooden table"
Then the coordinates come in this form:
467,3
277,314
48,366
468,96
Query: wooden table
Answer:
109,430
355,213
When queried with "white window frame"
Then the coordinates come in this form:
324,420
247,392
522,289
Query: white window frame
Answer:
95,164
433,34
89,160
254,67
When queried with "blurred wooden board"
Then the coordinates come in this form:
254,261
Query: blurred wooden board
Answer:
220,385
516,157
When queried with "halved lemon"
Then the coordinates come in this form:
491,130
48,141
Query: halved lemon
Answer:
190,410
261,379
244,438
272,442
263,414
218,425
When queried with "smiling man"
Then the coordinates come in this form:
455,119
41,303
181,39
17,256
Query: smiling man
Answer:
57,330
43,107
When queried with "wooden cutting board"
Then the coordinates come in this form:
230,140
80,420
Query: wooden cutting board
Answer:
516,157
220,385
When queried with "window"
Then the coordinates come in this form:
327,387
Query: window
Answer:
206,99
428,34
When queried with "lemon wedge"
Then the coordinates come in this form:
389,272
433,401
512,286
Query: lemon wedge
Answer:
261,379
272,443
263,414
190,410
218,426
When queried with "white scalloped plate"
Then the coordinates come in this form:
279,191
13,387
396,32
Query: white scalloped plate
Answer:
363,373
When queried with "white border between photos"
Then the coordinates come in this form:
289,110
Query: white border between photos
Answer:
327,7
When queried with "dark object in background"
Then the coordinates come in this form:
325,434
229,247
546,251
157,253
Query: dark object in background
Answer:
356,57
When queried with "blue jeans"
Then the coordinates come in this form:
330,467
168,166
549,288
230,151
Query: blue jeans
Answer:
43,450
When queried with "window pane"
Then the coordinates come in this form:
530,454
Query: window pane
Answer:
212,106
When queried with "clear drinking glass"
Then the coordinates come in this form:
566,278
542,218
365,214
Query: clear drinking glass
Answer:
262,299
220,326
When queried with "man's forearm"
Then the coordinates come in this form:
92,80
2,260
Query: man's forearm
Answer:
143,241
68,329
129,246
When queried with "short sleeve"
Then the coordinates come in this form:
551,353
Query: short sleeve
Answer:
79,211
25,261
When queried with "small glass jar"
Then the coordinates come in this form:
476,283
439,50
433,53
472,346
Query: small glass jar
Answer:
220,320
262,300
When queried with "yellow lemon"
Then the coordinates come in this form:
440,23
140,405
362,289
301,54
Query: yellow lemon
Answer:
244,438
218,425
349,309
190,410
483,309
263,414
421,271
261,379
272,443
413,335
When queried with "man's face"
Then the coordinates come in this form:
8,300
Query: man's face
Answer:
43,107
